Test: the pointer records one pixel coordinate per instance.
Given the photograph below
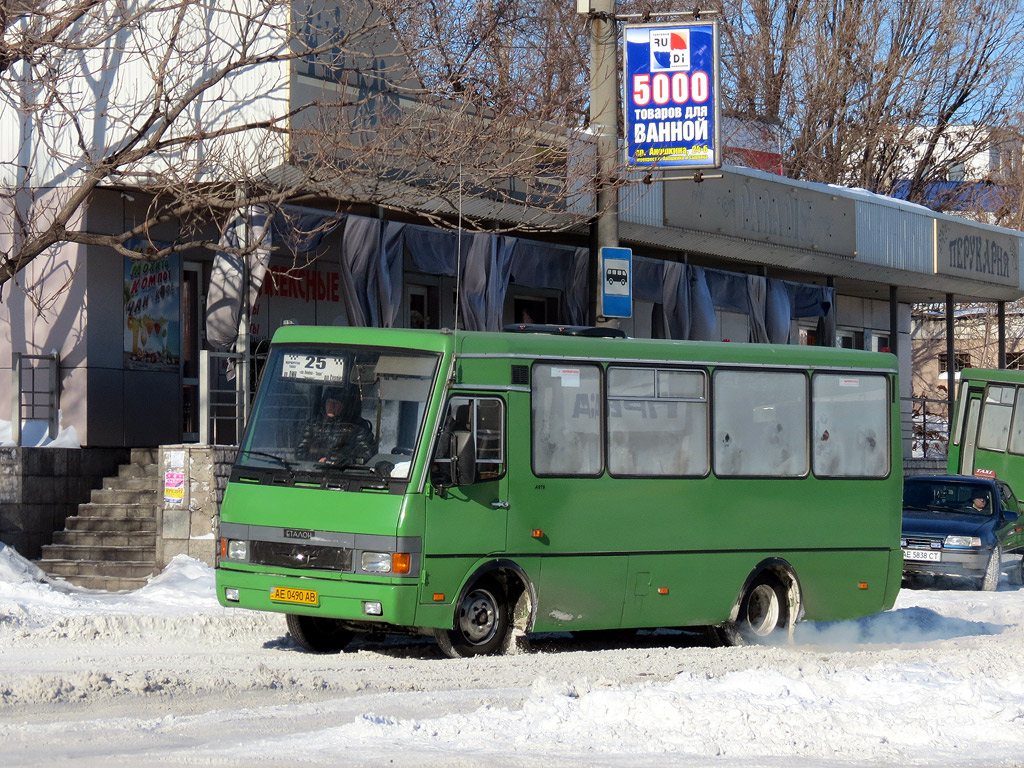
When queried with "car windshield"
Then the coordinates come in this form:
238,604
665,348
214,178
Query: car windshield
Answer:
339,409
944,496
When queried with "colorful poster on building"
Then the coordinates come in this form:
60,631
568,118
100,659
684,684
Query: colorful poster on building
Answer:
152,325
672,98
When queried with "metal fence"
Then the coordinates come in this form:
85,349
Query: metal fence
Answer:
925,426
35,392
227,383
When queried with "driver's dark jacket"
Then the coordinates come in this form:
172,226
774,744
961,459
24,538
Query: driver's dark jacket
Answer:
336,441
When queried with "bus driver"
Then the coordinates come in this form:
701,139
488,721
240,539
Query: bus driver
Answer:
338,435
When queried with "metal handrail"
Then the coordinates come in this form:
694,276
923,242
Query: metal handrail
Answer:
220,404
51,394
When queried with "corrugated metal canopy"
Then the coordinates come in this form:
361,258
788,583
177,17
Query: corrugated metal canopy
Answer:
743,221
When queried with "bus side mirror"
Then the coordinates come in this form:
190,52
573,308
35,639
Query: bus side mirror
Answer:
454,460
441,468
464,459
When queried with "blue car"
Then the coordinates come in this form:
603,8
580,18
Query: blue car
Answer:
960,526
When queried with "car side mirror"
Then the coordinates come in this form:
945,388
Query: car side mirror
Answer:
1010,517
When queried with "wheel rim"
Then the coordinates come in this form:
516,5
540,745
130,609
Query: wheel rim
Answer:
478,617
763,610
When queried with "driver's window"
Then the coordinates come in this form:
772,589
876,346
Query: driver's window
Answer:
481,420
1010,503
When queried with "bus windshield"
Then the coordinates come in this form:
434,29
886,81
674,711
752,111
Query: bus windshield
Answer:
337,409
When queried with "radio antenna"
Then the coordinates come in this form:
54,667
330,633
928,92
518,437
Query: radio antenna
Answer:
458,259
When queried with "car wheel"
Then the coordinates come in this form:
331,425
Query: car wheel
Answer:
1017,573
316,634
481,623
990,580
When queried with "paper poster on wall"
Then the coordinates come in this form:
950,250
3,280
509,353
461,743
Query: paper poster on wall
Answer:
152,326
174,487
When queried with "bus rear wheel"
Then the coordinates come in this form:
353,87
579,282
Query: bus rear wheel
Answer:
763,614
316,634
481,623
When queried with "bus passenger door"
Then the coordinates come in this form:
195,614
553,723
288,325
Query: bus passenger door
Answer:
467,509
970,436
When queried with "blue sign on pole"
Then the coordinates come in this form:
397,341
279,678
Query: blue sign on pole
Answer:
672,100
616,282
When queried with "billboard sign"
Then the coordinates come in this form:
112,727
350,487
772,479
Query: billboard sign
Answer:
672,103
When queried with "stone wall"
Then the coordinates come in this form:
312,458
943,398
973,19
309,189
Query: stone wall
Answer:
41,487
193,479
914,467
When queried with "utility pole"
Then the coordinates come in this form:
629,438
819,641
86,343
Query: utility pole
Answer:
604,125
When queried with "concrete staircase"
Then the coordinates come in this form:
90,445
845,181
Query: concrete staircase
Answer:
111,543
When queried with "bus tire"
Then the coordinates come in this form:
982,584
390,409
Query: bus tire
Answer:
763,613
481,624
990,580
316,634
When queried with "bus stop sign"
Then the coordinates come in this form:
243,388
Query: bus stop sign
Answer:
616,282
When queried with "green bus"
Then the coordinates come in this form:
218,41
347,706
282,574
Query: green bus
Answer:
493,485
987,437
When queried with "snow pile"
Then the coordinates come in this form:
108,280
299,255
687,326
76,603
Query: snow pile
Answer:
884,715
36,434
166,675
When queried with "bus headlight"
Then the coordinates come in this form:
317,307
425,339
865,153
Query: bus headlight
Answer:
238,550
376,562
962,541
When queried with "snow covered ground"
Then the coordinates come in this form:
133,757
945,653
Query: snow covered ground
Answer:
165,676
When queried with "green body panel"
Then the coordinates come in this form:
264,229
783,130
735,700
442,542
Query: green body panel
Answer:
338,599
366,512
595,551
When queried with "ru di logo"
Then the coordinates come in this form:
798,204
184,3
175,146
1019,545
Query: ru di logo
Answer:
670,50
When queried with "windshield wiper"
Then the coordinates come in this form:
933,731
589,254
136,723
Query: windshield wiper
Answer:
381,470
283,462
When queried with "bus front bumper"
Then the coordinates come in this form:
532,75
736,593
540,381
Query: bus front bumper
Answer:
349,600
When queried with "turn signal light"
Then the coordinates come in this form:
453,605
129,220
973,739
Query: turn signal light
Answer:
662,590
439,597
537,533
862,585
400,562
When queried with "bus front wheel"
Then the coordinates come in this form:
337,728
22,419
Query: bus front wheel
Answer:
481,623
763,613
318,635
